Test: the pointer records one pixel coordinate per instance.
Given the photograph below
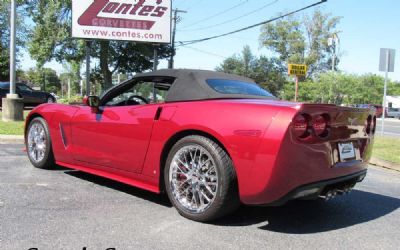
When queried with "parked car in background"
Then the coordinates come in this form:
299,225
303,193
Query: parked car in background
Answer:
393,112
378,108
30,96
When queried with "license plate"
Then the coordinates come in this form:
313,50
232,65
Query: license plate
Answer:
346,151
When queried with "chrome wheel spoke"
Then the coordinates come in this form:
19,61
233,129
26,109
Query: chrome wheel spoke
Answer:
37,142
193,178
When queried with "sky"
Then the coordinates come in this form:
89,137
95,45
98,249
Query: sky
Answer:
365,27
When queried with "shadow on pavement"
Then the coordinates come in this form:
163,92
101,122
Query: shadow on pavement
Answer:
306,217
159,199
296,217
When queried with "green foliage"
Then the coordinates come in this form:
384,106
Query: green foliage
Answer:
22,35
387,149
51,39
341,88
304,40
4,64
73,100
12,128
269,73
44,78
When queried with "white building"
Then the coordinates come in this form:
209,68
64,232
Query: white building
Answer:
393,102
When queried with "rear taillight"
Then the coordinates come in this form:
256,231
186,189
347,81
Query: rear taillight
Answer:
305,126
320,125
300,124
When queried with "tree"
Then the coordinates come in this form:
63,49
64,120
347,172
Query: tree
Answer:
51,40
4,64
22,34
341,88
268,72
302,41
45,78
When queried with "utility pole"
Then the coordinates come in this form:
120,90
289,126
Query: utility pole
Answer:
45,80
88,44
12,104
155,62
333,42
69,88
13,47
175,19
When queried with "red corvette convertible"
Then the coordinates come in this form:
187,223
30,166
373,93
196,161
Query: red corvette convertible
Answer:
210,140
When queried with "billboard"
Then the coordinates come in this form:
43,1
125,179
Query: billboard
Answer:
127,20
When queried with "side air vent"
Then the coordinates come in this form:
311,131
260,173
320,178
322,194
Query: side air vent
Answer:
63,138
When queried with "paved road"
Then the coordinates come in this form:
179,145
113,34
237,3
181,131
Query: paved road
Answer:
64,209
392,127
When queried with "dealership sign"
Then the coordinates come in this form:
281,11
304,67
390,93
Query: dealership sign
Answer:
129,20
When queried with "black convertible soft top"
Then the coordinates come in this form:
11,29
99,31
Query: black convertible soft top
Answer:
190,84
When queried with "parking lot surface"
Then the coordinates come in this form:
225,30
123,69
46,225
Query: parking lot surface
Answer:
391,128
65,209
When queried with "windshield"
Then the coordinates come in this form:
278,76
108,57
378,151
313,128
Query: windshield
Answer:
233,87
23,87
4,85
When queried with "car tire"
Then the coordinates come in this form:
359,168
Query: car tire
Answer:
200,179
38,144
50,100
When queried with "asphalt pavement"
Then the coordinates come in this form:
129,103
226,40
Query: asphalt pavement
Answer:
65,209
391,127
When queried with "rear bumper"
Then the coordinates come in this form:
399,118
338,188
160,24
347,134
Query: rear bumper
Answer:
313,190
298,165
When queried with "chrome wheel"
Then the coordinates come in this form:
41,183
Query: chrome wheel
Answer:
37,142
193,178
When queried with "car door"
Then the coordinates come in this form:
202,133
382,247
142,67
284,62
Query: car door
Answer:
116,136
28,94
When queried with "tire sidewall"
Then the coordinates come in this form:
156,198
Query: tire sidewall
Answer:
50,100
210,212
48,156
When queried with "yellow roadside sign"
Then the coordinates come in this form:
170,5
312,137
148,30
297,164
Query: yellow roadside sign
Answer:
297,69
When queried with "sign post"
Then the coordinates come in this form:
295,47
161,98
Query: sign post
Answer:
12,105
297,70
386,64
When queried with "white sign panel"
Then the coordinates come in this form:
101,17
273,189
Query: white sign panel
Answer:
128,20
386,60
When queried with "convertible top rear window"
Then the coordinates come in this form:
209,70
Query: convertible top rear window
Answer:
234,87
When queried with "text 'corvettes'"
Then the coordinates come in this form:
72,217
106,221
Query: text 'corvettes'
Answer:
210,140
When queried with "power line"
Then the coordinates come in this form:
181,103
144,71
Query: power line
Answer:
184,43
204,52
217,14
236,18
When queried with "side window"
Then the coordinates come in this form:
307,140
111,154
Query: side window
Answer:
139,94
23,87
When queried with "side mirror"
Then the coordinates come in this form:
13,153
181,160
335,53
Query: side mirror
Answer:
92,101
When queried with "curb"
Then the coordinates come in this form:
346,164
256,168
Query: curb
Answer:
384,164
12,139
